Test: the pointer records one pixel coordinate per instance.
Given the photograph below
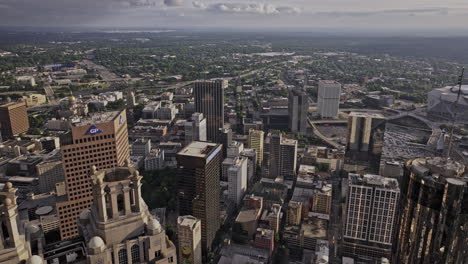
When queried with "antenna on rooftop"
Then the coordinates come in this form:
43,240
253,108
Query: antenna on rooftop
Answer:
460,82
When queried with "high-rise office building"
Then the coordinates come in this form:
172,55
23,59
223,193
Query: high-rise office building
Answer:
294,216
119,227
298,107
100,140
225,138
199,167
288,158
274,153
189,237
237,179
209,100
433,216
49,172
195,130
282,156
371,205
13,120
255,141
328,100
365,134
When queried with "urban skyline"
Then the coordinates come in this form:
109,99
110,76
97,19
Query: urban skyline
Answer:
191,146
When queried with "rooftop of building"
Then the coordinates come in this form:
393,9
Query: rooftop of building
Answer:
288,141
199,149
306,169
328,82
264,232
315,228
97,118
367,114
12,104
141,141
453,89
436,168
247,215
373,180
187,220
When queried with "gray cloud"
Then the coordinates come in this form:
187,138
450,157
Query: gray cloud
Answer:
247,8
412,12
173,2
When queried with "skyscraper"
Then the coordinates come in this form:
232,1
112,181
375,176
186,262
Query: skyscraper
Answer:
209,100
119,227
288,158
199,167
100,140
195,130
433,216
237,178
13,120
282,156
328,99
189,237
365,133
274,153
298,107
371,206
255,141
225,138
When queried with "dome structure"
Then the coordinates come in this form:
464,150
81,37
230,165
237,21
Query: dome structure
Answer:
96,242
154,226
7,202
35,259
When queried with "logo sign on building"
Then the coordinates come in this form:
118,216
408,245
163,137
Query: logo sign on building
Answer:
93,130
121,120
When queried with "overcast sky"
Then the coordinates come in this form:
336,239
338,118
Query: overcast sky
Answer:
359,14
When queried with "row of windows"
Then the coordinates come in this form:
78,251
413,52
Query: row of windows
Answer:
94,150
65,150
99,154
93,138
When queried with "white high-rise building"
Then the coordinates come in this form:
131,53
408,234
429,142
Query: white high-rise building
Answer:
237,177
371,206
195,130
235,149
328,98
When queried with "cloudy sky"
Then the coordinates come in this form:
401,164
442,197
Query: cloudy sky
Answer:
360,14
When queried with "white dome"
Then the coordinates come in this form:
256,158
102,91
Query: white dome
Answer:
154,225
96,242
35,259
84,215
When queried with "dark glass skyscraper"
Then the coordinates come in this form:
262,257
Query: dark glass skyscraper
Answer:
298,106
433,220
199,191
209,100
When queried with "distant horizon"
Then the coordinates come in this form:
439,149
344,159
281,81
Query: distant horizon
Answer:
328,31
